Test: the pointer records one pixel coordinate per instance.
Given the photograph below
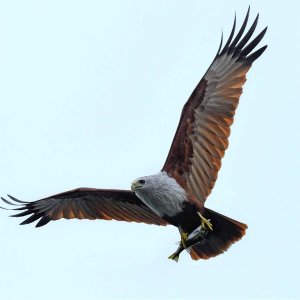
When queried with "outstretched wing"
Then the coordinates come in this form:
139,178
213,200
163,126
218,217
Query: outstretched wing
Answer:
86,203
204,127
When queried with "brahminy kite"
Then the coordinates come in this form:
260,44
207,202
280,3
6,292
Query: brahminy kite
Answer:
176,195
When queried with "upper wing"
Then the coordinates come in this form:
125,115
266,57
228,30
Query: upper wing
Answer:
87,203
204,127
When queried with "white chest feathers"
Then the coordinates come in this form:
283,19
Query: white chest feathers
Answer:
162,194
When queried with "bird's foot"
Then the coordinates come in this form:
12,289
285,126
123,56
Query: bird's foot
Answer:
184,238
174,256
205,223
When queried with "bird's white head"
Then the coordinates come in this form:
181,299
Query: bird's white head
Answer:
160,192
159,184
146,183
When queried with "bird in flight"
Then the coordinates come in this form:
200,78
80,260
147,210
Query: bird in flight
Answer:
176,195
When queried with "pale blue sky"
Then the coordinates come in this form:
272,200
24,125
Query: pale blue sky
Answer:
91,94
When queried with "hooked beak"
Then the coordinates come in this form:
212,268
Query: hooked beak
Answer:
135,185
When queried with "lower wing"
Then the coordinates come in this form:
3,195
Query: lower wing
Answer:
86,203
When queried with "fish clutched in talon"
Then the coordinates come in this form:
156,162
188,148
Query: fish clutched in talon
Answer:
197,237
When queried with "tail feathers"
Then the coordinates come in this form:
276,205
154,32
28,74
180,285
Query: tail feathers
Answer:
225,232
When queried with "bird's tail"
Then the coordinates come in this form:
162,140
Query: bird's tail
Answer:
225,232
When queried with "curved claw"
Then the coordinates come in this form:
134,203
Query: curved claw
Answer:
184,238
205,222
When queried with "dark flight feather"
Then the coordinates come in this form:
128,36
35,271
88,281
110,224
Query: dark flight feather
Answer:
202,135
85,203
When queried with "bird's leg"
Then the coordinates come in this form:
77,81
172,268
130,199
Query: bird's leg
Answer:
205,222
184,238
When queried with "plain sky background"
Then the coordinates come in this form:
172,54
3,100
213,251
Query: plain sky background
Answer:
91,94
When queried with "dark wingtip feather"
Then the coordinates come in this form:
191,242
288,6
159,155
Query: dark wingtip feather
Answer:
251,58
32,218
22,214
254,43
8,202
43,221
4,208
220,46
240,46
230,37
17,200
241,31
248,35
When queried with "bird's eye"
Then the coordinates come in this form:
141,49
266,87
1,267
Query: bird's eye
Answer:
142,181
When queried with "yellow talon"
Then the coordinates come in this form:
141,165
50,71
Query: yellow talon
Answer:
184,237
205,222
